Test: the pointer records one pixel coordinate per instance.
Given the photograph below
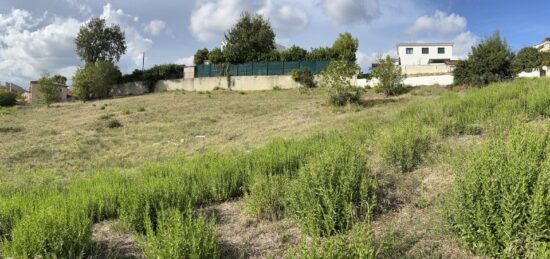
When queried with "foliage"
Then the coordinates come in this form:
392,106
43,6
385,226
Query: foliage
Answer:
178,235
98,42
95,81
320,54
216,56
151,76
359,243
304,77
7,99
114,123
59,79
345,47
333,191
527,59
390,76
293,53
200,56
49,90
404,146
490,61
499,204
337,78
248,39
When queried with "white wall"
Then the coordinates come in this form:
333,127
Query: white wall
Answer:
241,83
417,58
536,73
442,80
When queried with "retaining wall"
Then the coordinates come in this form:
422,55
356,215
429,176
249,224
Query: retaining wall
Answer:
442,80
240,83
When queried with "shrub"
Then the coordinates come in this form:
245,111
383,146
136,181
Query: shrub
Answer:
114,123
527,59
390,77
106,116
7,99
499,203
126,111
180,235
266,196
141,109
337,78
359,243
333,191
49,89
95,81
490,61
405,145
303,77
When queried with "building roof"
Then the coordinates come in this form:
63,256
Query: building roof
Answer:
424,44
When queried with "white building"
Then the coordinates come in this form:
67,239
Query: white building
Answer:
425,58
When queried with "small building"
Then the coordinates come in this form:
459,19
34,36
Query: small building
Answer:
36,95
425,58
543,47
11,87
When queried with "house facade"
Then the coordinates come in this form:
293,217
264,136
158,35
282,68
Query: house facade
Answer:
425,58
543,47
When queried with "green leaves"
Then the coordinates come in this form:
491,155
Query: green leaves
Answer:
97,42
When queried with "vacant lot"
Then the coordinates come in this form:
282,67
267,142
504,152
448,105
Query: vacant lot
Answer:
430,174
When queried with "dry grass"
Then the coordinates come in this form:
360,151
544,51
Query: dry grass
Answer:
75,137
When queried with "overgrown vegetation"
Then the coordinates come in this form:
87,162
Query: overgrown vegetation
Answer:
337,78
151,76
390,77
7,99
96,81
49,89
303,77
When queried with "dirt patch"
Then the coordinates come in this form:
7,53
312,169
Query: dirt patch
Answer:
112,241
241,236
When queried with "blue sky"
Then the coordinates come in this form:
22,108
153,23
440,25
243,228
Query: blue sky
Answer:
36,36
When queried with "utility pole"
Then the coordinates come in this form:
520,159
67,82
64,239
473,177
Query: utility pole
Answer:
143,61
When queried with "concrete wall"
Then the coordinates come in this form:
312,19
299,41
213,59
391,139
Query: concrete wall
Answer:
36,95
417,58
426,69
134,88
241,83
543,72
442,80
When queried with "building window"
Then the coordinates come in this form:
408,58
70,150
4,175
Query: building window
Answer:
440,50
409,51
425,51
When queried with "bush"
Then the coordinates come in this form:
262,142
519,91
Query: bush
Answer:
390,77
490,61
405,145
114,123
7,99
303,77
499,203
333,191
180,236
95,81
266,196
527,59
337,78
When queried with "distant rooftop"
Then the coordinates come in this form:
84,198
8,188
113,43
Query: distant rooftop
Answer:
425,44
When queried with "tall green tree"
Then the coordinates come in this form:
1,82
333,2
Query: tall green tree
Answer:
489,61
247,40
293,53
95,81
320,54
60,79
527,59
345,47
200,56
98,42
49,90
216,56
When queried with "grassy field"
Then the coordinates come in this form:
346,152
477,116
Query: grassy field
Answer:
431,174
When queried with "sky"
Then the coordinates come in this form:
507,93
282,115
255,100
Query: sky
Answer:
37,36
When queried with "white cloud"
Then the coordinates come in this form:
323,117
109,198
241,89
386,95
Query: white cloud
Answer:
136,43
188,61
25,53
345,12
444,27
82,8
155,27
211,18
440,24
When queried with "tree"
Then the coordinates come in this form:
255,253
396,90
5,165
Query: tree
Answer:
49,90
337,77
293,53
389,75
216,56
490,61
527,59
248,39
200,56
59,79
97,42
95,81
320,54
345,47
7,99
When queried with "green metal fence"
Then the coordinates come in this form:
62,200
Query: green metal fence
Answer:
260,68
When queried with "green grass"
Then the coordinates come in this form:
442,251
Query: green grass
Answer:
330,183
